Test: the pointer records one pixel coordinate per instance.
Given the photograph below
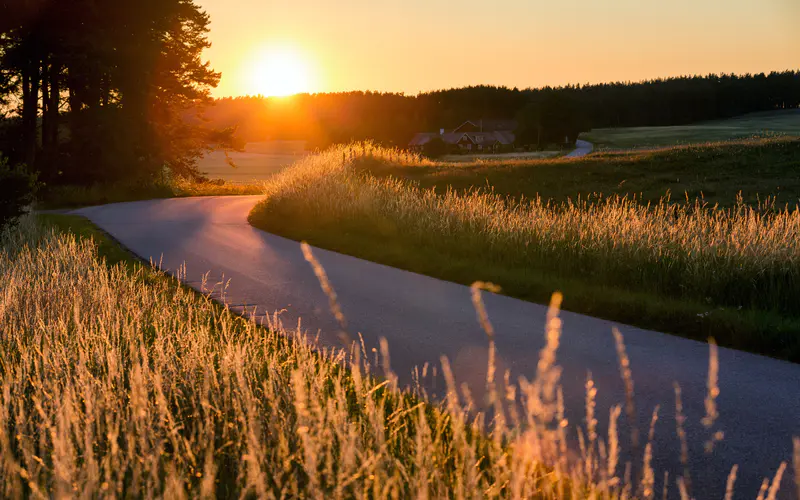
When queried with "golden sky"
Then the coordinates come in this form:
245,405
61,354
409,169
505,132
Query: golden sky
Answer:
417,45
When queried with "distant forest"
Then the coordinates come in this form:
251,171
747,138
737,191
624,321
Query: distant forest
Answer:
392,119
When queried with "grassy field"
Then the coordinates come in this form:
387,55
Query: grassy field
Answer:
690,269
81,196
771,122
717,172
117,381
257,162
240,173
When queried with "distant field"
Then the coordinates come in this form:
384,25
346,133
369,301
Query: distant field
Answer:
777,122
757,169
259,161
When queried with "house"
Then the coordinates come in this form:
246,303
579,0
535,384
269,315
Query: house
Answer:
486,136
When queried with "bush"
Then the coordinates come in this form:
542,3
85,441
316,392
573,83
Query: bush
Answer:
435,148
17,188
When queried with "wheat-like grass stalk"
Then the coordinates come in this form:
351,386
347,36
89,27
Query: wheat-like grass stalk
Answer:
118,381
627,378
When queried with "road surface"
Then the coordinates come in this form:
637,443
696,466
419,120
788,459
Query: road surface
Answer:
582,148
423,318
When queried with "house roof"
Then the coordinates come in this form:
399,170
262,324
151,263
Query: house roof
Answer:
501,137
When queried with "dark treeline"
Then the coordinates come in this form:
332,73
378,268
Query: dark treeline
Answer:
110,90
544,114
97,90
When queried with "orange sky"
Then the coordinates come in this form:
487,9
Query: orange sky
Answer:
418,45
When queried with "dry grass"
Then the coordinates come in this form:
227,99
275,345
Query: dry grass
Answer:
118,382
122,383
742,257
99,194
183,187
370,154
687,268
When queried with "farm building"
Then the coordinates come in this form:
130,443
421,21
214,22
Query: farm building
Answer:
490,136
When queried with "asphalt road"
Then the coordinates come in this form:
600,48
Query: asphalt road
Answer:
582,148
423,318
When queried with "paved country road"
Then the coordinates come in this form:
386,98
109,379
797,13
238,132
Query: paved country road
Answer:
582,148
423,318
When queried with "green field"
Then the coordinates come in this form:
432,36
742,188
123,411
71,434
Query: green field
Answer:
771,122
717,173
692,269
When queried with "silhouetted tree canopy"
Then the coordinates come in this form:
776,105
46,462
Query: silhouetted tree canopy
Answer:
108,90
551,117
392,119
103,88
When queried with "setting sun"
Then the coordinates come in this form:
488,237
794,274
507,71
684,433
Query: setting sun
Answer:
280,72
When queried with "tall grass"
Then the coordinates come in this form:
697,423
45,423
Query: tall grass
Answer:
120,383
739,257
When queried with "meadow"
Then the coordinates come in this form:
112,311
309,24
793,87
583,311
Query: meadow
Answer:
117,381
758,170
225,174
783,122
256,162
688,268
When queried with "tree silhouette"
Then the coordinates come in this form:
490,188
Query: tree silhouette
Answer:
126,77
393,119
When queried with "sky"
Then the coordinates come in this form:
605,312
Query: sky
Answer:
418,45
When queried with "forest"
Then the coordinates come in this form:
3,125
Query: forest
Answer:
392,118
95,92
99,91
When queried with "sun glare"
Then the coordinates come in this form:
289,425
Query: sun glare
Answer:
278,73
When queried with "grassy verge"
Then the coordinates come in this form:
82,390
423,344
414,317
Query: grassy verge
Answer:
687,269
117,381
80,196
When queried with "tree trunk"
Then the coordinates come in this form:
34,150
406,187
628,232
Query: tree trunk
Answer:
30,95
45,106
35,86
55,104
51,70
106,89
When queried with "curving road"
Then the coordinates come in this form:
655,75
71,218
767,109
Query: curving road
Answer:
582,148
423,318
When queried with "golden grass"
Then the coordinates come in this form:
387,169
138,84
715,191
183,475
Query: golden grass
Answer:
119,382
743,256
100,194
183,187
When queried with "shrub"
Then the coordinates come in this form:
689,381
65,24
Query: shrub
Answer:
435,148
17,188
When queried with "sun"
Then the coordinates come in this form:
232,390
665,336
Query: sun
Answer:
280,72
